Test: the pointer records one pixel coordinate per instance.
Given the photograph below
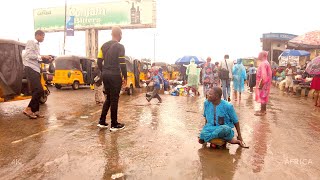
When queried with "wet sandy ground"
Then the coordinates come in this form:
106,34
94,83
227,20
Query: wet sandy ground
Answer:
159,141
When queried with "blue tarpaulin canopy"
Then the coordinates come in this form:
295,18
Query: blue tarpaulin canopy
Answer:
292,52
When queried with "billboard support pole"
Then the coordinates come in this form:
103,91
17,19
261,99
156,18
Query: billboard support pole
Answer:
154,47
65,28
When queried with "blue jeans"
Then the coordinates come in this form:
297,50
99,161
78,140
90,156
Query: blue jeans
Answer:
226,89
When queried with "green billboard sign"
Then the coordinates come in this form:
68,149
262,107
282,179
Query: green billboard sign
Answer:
126,14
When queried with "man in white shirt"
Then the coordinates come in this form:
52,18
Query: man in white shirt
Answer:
289,78
31,59
226,65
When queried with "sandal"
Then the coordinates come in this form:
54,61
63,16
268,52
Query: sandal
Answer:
30,115
213,146
260,113
243,145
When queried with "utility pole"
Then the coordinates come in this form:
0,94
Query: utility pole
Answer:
65,27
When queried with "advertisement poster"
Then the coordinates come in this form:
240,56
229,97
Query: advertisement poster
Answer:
293,60
126,14
70,26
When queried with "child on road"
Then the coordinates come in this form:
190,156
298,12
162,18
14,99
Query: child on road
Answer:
157,81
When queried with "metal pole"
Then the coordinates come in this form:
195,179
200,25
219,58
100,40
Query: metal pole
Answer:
65,27
154,47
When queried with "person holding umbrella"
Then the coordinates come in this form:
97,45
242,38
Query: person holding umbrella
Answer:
184,61
313,68
315,84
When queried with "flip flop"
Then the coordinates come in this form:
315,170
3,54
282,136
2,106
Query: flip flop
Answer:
243,145
260,114
31,116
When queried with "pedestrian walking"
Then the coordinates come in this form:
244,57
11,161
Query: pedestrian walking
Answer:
114,75
252,77
31,59
225,75
183,76
264,77
315,84
216,78
98,86
157,81
207,76
239,76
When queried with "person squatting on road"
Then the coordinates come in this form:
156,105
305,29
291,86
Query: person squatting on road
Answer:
220,118
112,53
31,58
239,76
157,81
264,78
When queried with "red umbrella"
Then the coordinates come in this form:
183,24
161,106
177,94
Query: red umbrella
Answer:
308,40
313,67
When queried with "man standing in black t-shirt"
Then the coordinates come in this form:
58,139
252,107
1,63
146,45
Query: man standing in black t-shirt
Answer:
114,75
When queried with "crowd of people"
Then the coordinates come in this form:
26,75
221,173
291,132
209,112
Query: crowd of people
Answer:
290,79
110,76
220,116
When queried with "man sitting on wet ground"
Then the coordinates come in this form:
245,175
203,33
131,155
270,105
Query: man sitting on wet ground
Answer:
220,119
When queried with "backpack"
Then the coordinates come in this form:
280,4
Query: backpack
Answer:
224,73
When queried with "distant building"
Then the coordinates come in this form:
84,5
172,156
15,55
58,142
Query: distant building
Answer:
275,44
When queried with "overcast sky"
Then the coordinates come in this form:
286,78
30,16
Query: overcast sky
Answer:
184,27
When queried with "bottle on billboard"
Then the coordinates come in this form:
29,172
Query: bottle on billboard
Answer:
133,14
138,16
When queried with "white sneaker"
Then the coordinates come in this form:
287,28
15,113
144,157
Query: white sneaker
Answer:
117,127
103,126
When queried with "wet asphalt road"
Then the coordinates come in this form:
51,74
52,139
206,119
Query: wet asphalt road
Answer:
159,141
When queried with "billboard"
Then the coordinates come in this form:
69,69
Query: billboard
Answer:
123,13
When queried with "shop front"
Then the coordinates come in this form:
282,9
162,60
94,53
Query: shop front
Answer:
275,44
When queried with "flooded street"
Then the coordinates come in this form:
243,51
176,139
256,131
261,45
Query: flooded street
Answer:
160,141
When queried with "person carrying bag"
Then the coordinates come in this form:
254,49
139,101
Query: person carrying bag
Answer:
224,73
225,77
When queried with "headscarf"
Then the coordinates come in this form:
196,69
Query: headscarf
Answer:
155,72
192,67
239,61
263,56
